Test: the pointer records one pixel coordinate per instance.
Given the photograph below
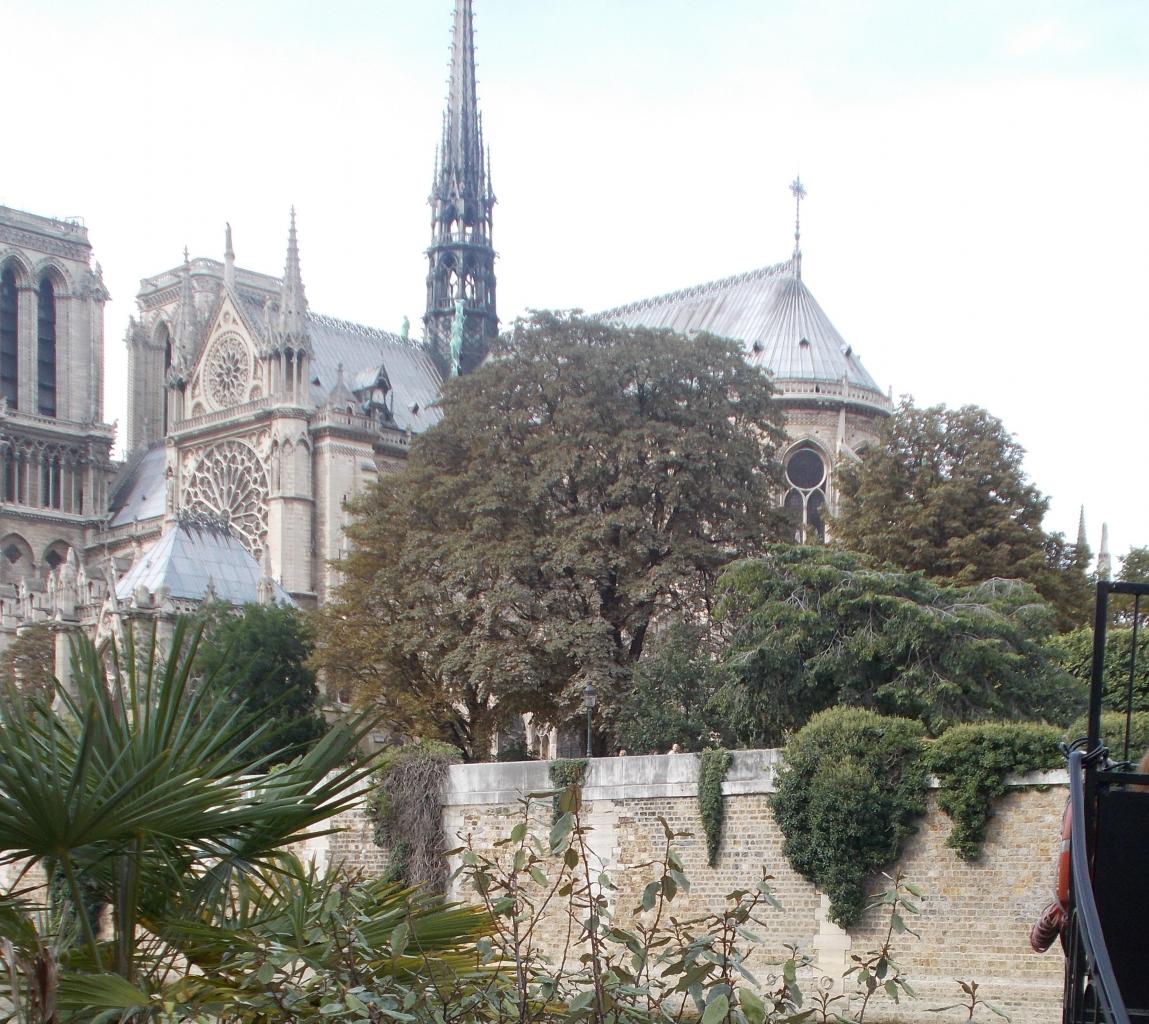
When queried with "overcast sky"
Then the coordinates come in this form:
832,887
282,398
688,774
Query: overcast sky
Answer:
976,223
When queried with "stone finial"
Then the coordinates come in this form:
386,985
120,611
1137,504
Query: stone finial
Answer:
1082,543
1104,562
228,260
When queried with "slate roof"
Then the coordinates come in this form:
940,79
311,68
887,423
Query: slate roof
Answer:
368,354
139,491
771,311
190,557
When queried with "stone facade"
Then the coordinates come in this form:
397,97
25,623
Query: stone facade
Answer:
975,917
55,467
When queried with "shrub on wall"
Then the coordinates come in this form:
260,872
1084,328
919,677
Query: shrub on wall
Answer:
406,805
972,762
1113,732
853,784
712,768
564,774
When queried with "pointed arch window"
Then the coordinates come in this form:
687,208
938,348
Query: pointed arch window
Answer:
9,338
46,349
805,499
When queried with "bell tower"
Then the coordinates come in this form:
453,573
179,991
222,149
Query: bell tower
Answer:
460,321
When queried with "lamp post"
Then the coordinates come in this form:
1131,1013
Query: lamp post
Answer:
590,697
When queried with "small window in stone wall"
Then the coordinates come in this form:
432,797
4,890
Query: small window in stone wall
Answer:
805,500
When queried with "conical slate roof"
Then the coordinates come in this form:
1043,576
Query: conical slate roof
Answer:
773,313
193,561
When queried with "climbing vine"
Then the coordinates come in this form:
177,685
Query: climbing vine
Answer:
564,774
853,785
972,763
406,805
712,768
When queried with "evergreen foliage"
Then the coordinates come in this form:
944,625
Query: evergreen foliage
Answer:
972,763
1113,733
1074,652
406,804
846,801
260,653
712,768
583,481
671,694
808,628
944,492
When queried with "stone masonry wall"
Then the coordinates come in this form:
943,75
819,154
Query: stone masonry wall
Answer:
975,916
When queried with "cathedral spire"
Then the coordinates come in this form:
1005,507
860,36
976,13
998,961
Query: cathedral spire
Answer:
461,255
1104,562
228,259
1082,541
799,191
293,300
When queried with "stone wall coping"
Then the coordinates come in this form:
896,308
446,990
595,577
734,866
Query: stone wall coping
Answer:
640,777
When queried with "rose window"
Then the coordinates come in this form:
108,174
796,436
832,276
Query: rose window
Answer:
229,482
228,371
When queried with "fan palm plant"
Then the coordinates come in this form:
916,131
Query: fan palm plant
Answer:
137,792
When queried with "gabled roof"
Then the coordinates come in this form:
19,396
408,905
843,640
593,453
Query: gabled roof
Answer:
193,559
138,492
771,311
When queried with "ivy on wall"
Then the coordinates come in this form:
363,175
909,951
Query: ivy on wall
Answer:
564,774
853,785
972,763
712,768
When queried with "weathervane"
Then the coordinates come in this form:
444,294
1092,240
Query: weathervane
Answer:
799,191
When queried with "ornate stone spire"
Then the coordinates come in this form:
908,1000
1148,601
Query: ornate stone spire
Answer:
461,256
228,260
1104,562
185,342
1082,542
799,191
293,299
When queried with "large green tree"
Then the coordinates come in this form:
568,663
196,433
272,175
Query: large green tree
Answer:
585,481
944,492
808,628
260,652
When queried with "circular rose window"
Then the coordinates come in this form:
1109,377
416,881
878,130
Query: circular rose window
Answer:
228,371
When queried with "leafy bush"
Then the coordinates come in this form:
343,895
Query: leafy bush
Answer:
669,699
406,805
1113,732
712,768
972,763
847,798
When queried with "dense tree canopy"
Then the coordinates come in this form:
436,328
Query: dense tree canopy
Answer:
260,653
671,696
584,481
945,493
808,628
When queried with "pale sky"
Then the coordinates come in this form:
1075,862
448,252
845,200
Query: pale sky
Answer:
976,223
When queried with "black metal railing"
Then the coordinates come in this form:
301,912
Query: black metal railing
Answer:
1091,991
1109,883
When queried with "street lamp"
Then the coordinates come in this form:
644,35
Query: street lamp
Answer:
590,697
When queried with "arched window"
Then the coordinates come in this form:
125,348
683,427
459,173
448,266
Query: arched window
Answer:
805,499
9,338
46,349
165,338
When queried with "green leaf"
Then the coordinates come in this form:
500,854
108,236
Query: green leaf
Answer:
561,830
716,1010
752,1006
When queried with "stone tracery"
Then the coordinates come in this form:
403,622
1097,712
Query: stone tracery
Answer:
229,481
